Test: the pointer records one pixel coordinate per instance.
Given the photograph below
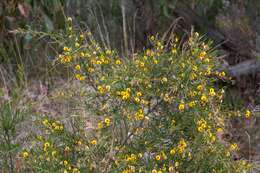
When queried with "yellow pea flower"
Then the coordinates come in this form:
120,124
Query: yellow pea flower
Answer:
181,107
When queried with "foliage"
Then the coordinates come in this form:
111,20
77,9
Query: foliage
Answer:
156,111
11,117
22,52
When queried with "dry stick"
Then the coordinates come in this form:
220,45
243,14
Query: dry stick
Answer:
244,68
125,37
249,149
105,27
99,28
171,28
133,36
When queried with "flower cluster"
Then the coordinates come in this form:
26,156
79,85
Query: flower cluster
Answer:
155,112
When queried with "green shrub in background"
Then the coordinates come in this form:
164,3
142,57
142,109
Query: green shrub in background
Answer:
156,111
104,18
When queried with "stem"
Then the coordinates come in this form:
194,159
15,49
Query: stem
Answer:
123,4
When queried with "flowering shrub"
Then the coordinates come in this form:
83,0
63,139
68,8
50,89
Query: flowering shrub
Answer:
157,111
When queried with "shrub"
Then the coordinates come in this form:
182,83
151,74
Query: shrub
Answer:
156,111
12,114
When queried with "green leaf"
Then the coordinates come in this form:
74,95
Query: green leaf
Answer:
48,23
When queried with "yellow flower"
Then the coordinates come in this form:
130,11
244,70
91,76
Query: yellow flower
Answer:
99,62
176,39
67,148
117,162
182,65
101,90
107,87
118,62
108,52
75,170
158,157
65,59
78,76
167,98
247,114
45,122
53,153
82,78
77,45
173,151
139,94
125,94
77,67
202,125
227,153
192,104
202,54
139,115
82,54
25,154
78,142
174,51
154,171
46,144
164,79
56,128
207,60
212,92
233,147
219,130
127,171
173,123
81,36
141,64
69,19
155,61
65,162
137,99
90,70
171,169
67,49
212,138
93,142
182,145
100,125
222,74
204,98
195,68
199,87
181,107
148,52
107,121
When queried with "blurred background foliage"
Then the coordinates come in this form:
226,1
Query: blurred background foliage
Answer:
143,18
